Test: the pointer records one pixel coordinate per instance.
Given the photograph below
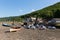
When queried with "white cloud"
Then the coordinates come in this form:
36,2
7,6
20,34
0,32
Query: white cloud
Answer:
33,10
23,11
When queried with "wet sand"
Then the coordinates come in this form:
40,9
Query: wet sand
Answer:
29,34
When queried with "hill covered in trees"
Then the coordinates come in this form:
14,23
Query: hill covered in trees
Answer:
52,11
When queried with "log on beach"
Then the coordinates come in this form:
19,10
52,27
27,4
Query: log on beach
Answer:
14,30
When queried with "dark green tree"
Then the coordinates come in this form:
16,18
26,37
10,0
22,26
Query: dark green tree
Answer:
57,14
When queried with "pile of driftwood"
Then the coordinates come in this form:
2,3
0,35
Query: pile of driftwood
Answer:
30,23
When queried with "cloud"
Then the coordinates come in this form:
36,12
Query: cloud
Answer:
23,11
33,10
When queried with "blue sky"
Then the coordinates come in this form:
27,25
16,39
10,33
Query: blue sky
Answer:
21,7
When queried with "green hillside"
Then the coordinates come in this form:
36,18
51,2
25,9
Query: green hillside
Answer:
52,11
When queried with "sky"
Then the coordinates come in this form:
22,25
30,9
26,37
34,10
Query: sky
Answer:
21,7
